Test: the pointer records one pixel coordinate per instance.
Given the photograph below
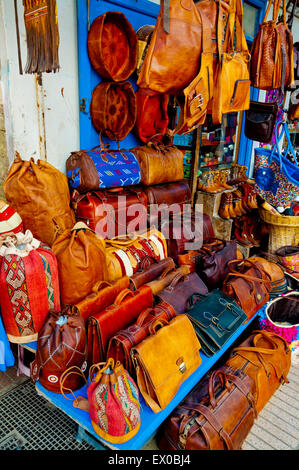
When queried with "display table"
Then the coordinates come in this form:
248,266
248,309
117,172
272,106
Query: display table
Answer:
150,421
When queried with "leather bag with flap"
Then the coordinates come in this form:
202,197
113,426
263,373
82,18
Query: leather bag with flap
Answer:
260,120
165,359
215,317
123,312
266,358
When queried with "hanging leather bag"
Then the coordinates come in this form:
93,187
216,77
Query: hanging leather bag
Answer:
260,120
266,358
217,415
152,118
249,284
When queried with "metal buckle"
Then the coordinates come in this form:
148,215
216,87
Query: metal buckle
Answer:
201,100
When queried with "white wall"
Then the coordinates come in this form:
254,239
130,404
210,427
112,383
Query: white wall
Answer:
58,96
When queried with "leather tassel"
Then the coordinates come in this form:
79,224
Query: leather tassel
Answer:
42,36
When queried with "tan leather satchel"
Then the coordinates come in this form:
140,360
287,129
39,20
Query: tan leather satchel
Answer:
272,66
159,163
40,194
173,56
81,259
231,81
165,359
266,358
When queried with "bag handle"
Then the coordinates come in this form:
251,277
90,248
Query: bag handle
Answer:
101,285
123,294
178,278
166,271
249,263
100,367
78,402
143,315
156,325
212,381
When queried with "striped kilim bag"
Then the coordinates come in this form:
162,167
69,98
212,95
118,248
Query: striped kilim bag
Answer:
29,286
10,220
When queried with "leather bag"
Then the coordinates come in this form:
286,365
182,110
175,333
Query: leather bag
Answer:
113,109
112,46
266,358
166,278
249,284
95,169
81,260
104,324
61,344
111,212
181,288
260,120
215,317
29,285
231,81
217,415
213,261
40,194
271,65
165,359
121,343
276,273
124,255
112,400
159,163
152,117
102,295
149,270
171,194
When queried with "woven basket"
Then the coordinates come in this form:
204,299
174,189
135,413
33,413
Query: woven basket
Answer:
283,229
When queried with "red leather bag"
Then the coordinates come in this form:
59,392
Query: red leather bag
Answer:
103,325
152,118
249,284
120,344
109,212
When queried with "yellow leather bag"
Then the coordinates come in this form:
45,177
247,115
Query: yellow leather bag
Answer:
231,81
165,359
124,255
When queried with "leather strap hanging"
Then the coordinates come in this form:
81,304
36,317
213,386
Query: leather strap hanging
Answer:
18,38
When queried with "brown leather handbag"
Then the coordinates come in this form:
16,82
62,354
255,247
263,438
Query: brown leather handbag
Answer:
61,344
177,193
104,324
276,273
165,359
217,415
266,358
152,117
260,120
113,109
272,63
102,295
159,163
121,343
181,288
81,260
173,56
112,46
249,284
149,270
40,194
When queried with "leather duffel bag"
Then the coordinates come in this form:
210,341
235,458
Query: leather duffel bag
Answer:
266,358
166,278
217,415
159,163
104,324
181,288
111,212
165,359
121,343
278,281
61,344
149,270
249,284
171,194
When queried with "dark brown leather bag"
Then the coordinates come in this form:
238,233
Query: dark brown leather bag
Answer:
249,284
266,358
149,270
217,415
260,120
120,344
113,109
169,194
212,262
181,289
61,344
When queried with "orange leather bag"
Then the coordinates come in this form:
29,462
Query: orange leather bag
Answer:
159,163
231,81
272,66
81,262
173,56
40,194
266,358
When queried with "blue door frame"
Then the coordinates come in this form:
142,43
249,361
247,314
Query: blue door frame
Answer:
245,145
